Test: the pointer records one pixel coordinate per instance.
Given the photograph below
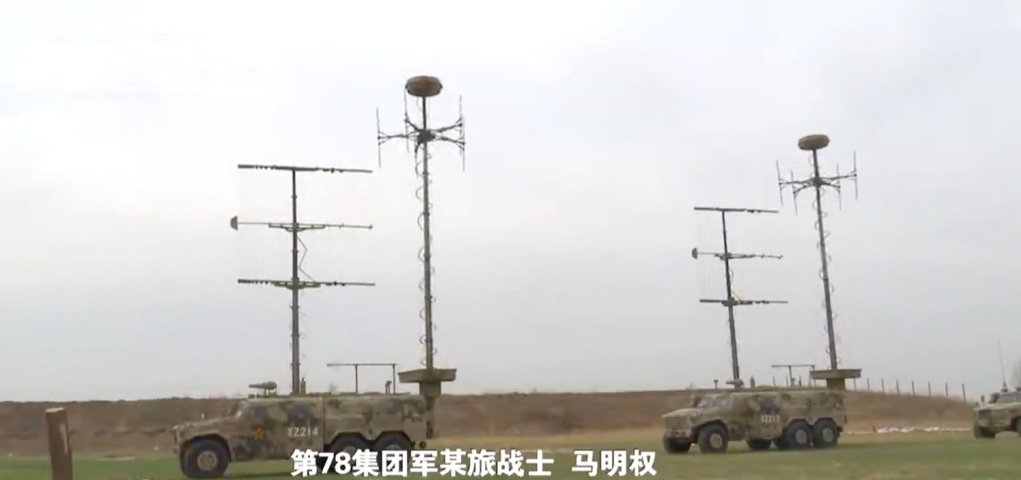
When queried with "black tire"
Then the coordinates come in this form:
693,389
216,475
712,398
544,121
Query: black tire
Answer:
349,444
779,442
205,459
825,434
982,433
673,445
390,441
713,439
797,436
759,444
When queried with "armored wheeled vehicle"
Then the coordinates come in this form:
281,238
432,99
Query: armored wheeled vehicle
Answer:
789,419
272,428
1001,414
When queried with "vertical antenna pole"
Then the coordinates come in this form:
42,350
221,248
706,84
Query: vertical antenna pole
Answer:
427,247
735,369
1003,371
817,183
295,343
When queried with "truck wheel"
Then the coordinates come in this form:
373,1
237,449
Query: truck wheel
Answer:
392,441
797,436
673,445
712,439
204,459
982,433
348,444
759,444
824,434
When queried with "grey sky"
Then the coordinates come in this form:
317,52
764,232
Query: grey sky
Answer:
562,253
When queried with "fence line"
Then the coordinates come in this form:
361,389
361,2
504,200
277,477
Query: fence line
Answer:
882,388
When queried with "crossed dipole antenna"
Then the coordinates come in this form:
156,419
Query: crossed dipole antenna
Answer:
732,300
296,283
818,183
421,134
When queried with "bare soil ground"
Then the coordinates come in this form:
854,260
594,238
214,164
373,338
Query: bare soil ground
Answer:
122,427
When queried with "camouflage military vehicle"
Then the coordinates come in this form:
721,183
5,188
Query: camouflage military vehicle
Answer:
271,428
789,419
1001,414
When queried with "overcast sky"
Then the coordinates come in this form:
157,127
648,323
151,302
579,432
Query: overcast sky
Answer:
562,252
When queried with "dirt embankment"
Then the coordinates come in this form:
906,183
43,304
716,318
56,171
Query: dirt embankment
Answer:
136,426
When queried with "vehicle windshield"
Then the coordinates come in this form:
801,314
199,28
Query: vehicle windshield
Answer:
713,402
235,409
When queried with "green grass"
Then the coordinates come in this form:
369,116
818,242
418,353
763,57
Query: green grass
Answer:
874,457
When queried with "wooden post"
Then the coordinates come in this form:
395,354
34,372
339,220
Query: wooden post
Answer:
882,384
60,444
964,393
946,389
868,385
929,384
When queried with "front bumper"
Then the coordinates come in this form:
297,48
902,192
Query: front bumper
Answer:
677,434
992,425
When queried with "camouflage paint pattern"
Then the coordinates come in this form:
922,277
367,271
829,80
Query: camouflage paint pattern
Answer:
273,427
1001,414
755,414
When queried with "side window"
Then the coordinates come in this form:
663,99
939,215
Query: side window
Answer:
242,410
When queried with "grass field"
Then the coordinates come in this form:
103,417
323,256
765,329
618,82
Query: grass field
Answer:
866,456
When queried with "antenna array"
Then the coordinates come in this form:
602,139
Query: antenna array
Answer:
296,284
423,88
834,376
731,301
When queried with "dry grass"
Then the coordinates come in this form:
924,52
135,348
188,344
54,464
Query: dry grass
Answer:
909,456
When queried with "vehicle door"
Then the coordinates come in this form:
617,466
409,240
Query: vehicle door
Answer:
257,434
766,417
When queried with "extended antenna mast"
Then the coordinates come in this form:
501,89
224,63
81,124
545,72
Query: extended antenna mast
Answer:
423,87
295,283
834,376
1003,370
731,301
